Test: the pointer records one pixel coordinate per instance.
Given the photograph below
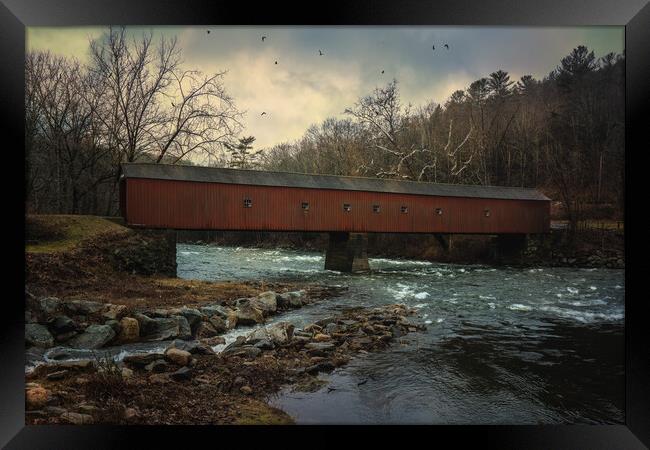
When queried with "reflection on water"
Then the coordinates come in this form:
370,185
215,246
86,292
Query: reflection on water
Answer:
503,345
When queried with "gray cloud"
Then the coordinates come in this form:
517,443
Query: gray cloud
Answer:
305,88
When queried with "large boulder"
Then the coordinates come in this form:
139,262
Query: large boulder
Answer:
114,312
163,328
48,305
266,302
279,333
205,330
294,299
218,323
248,315
83,307
184,329
62,324
95,336
38,336
219,310
129,330
193,316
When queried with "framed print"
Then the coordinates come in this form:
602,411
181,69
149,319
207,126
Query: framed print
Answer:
380,213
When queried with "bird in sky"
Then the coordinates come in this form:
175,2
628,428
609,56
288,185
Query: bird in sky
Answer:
433,47
263,37
263,112
276,62
363,382
382,71
208,31
447,46
320,53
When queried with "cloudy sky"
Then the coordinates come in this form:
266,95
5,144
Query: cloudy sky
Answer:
305,88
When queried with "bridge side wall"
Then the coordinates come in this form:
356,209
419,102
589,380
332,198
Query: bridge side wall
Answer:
195,205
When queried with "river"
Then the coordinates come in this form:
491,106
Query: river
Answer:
503,345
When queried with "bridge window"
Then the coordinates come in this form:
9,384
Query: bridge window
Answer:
404,209
248,203
376,208
305,206
439,211
486,212
347,207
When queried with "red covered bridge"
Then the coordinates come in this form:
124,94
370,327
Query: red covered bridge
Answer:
200,198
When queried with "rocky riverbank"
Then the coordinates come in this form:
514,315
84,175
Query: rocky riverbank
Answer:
189,383
81,324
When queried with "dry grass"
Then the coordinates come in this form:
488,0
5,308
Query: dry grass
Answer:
57,233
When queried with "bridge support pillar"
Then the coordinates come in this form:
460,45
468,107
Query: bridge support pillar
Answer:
444,240
511,248
347,252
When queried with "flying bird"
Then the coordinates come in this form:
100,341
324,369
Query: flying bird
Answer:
263,37
263,112
433,47
382,71
447,46
320,53
276,62
208,31
363,382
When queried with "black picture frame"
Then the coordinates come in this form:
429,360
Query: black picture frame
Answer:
15,15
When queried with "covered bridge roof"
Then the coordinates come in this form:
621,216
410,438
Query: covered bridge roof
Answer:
303,180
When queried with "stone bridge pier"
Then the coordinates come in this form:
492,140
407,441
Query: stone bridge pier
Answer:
347,252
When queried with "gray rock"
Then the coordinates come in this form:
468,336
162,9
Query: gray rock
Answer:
265,344
247,315
246,351
238,342
62,324
95,336
193,316
219,310
157,366
114,324
184,330
142,359
114,312
319,347
58,375
218,323
48,305
83,307
38,336
184,373
193,347
159,329
65,336
296,299
266,302
205,330
279,333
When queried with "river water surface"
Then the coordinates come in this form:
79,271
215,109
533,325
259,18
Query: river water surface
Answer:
503,345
